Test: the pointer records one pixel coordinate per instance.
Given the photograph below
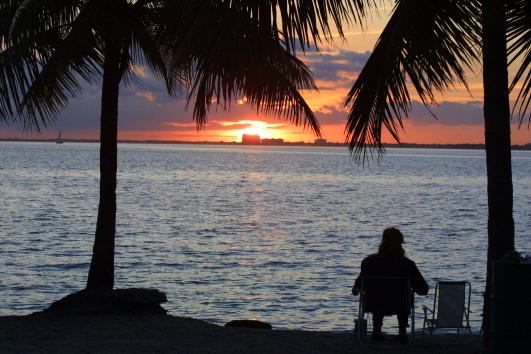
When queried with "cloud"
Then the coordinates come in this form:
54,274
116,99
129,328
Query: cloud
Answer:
336,69
448,113
147,95
181,125
331,115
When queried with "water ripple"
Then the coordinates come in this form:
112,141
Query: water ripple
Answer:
272,233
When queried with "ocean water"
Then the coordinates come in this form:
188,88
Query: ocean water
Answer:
245,232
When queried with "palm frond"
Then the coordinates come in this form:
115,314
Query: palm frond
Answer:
519,38
303,21
425,46
39,15
49,46
170,33
19,61
145,47
230,56
56,59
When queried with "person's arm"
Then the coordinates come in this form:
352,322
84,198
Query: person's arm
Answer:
356,287
418,283
357,283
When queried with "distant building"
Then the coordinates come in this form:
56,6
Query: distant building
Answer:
272,141
320,142
250,139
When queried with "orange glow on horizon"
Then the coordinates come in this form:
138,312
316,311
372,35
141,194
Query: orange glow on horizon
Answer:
253,127
232,131
420,134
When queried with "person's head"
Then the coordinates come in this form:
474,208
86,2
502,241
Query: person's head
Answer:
391,245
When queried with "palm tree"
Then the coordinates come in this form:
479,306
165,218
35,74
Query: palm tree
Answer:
216,49
51,46
431,44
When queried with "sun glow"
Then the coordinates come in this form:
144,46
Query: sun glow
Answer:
264,133
253,127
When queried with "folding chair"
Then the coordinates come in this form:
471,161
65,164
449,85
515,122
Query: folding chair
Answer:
451,308
397,297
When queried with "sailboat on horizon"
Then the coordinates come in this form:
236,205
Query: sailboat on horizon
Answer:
59,140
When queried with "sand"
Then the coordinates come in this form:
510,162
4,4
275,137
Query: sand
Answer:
155,333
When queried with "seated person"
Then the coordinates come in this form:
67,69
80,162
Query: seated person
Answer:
390,261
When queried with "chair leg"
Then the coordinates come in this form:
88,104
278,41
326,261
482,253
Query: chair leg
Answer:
412,325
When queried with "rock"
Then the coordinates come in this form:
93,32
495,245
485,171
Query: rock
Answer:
248,324
130,301
139,296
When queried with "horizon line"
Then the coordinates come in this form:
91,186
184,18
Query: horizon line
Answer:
526,146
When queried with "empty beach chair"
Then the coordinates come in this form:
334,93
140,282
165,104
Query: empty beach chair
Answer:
451,307
387,295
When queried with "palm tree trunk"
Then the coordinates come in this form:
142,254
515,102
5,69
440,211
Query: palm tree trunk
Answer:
497,143
101,273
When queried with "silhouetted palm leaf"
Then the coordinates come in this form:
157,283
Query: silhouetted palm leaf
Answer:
78,56
237,58
303,21
519,37
49,46
46,50
426,44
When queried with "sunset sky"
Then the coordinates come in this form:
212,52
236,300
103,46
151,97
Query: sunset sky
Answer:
146,112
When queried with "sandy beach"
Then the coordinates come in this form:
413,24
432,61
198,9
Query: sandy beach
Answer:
45,333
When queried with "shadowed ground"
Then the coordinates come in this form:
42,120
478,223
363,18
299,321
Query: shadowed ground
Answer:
158,333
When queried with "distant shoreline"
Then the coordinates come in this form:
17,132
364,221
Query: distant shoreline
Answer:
300,143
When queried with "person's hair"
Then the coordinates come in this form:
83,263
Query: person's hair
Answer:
391,244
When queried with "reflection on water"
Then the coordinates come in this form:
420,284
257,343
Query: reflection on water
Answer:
234,232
